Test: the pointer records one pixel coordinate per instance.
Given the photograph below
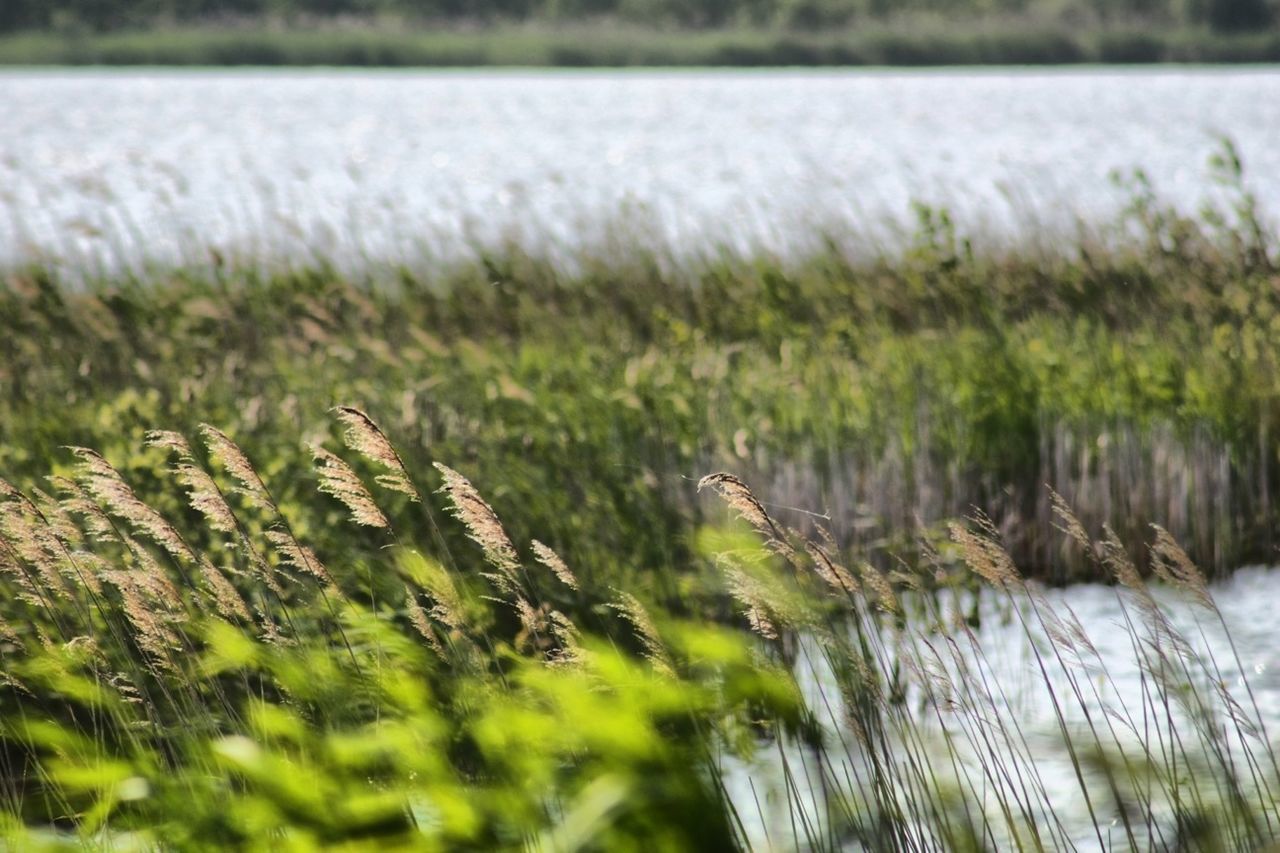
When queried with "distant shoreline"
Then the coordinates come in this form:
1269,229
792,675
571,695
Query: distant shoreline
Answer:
615,46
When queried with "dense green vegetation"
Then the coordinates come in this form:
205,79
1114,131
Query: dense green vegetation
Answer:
619,45
500,605
635,32
883,388
1222,15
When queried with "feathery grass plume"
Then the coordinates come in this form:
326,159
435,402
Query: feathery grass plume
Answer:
147,615
1059,633
156,578
365,437
1070,524
97,524
31,541
418,619
93,566
105,484
11,564
875,582
226,599
1173,566
752,596
533,629
832,573
300,557
552,561
630,608
739,497
1116,558
482,523
571,652
448,608
235,463
58,520
339,481
984,556
203,494
51,527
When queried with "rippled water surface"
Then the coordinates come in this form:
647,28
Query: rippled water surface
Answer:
120,165
1106,670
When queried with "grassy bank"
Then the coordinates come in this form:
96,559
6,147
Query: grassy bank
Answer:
617,45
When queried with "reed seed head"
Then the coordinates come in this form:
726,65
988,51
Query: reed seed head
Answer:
338,480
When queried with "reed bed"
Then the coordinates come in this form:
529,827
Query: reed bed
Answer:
1134,369
297,560
440,683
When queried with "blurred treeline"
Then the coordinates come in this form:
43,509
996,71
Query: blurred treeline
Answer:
1219,15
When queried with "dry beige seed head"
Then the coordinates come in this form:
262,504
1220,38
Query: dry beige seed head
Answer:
152,630
1178,568
418,618
226,600
749,593
1070,524
96,522
646,631
571,652
339,481
237,465
739,497
293,553
31,542
532,628
11,564
482,523
152,575
364,437
203,493
552,561
832,573
105,484
447,607
168,440
58,519
91,567
1117,559
875,582
985,556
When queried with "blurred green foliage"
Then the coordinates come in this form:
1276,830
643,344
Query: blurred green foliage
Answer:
1227,15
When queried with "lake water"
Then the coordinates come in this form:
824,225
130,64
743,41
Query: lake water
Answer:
116,166
1110,679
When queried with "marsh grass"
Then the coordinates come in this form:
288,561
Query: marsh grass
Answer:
1134,369
297,560
434,685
